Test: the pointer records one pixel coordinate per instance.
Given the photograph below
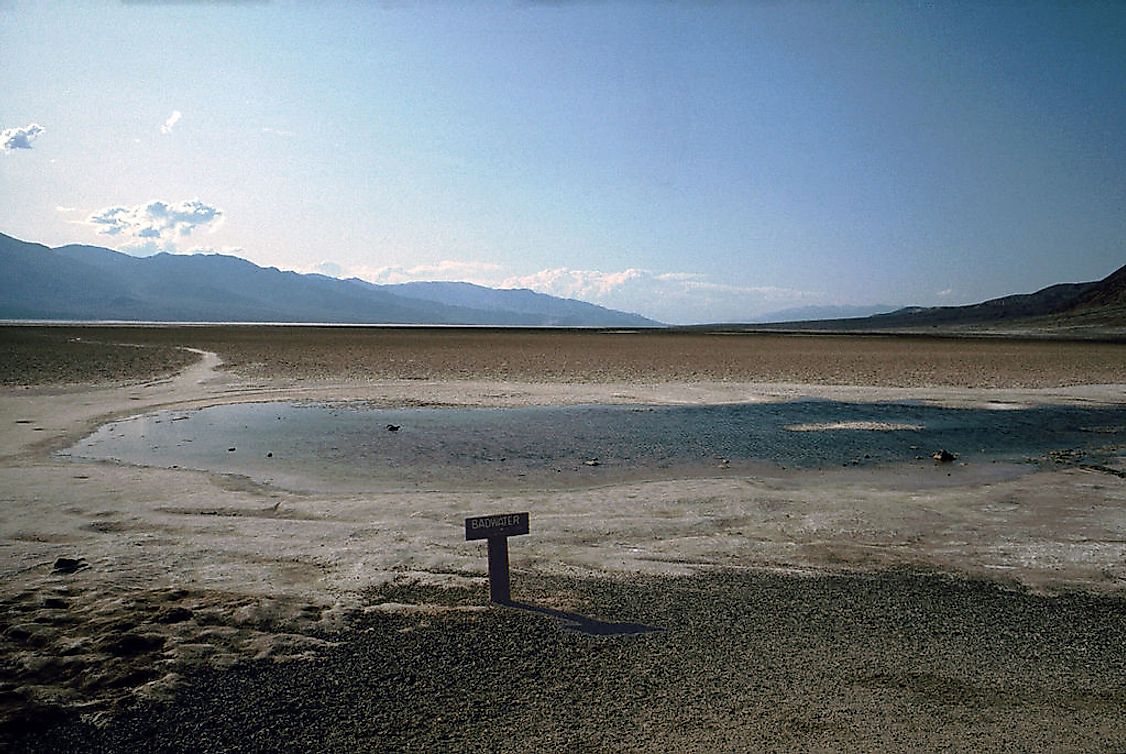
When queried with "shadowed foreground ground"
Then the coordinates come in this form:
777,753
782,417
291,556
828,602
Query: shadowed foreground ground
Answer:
743,662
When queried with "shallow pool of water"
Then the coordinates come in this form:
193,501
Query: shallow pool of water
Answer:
349,446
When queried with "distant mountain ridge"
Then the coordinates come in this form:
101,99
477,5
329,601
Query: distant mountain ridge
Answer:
1104,298
78,282
807,313
480,297
1060,307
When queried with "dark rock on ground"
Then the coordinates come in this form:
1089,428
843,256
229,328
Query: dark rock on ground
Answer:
70,565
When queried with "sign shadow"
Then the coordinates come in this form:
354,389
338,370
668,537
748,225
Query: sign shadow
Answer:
583,624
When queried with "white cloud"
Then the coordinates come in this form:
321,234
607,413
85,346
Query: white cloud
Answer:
20,138
171,122
482,273
156,225
945,292
674,297
582,284
61,208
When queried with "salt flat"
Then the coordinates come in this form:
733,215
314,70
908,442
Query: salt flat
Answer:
181,570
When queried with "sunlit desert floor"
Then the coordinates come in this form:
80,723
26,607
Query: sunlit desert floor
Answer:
941,606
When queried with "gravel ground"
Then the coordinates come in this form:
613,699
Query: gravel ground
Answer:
49,355
35,355
723,661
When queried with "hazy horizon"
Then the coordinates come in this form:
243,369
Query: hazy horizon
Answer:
695,163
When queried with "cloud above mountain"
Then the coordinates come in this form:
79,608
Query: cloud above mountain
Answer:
675,297
482,273
20,138
156,219
681,297
155,226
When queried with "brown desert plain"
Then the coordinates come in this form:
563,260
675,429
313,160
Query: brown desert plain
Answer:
906,607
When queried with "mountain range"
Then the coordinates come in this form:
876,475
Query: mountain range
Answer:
831,311
92,283
1096,308
80,283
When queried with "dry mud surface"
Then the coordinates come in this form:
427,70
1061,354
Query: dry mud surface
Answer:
941,608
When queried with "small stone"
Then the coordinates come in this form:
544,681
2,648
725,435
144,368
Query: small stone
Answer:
230,450
944,456
393,427
70,565
131,644
592,462
174,615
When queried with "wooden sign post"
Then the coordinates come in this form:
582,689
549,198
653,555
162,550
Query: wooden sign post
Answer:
497,529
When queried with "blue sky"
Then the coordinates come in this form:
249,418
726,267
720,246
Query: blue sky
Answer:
690,161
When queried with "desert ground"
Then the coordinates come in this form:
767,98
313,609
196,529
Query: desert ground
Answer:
937,607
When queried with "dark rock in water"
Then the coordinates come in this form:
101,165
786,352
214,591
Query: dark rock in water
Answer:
944,456
230,450
1067,455
70,565
393,427
269,455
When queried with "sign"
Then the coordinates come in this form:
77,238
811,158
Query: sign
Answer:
497,529
500,525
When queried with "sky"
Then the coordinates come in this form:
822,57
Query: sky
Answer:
689,161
